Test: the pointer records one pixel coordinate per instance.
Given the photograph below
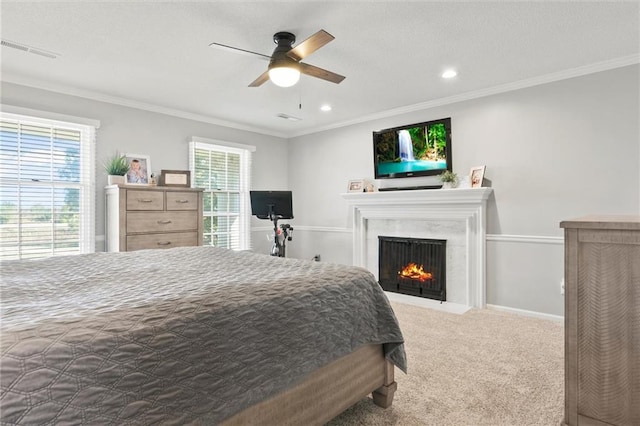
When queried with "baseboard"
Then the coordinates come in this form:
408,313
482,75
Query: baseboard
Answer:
452,308
534,314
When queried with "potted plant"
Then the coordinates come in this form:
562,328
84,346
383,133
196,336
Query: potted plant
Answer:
116,168
449,179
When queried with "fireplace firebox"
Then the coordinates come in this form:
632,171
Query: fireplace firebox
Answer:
413,266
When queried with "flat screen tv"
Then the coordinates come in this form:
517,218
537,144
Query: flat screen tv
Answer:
271,204
422,149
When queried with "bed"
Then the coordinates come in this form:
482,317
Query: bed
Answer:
192,335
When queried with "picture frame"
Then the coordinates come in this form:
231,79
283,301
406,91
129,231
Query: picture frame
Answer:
178,178
476,176
356,185
369,186
139,169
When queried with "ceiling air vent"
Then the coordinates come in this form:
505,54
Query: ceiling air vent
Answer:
29,49
288,117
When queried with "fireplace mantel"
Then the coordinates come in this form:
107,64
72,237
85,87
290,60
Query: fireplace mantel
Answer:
467,206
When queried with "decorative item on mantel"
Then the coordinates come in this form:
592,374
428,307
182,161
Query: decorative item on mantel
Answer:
361,185
477,176
449,179
116,168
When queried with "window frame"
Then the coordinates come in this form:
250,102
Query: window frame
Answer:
245,153
86,184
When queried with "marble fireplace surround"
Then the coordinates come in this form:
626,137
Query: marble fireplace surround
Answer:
457,215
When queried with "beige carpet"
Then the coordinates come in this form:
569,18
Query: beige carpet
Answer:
481,368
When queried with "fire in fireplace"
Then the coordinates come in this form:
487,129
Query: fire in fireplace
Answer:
414,266
415,272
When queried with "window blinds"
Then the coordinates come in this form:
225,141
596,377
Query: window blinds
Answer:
47,187
224,171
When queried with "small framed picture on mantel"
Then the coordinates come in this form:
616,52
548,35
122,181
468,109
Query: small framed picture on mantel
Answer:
356,185
361,185
476,175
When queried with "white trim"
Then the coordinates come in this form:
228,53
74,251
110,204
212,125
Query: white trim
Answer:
544,79
529,239
58,119
452,308
523,312
198,140
307,228
101,97
509,87
323,229
504,238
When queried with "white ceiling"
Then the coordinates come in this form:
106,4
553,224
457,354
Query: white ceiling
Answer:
157,55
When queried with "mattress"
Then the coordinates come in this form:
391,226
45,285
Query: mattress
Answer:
185,335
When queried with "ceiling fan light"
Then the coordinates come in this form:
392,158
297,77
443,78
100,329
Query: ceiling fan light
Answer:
284,76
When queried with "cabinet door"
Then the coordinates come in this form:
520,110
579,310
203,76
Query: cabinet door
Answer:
161,241
182,200
138,222
145,200
608,328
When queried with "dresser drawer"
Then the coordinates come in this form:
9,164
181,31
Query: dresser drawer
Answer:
138,222
145,200
162,241
182,200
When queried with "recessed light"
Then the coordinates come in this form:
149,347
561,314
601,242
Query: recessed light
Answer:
325,108
449,73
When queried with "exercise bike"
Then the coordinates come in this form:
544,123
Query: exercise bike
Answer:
274,205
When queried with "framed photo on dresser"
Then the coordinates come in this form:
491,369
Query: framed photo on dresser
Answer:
139,169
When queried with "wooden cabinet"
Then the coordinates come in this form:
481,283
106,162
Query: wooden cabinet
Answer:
602,320
144,217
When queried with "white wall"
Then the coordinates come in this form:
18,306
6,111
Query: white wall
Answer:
553,152
164,138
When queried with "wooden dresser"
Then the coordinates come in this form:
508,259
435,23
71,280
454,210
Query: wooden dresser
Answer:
602,320
145,217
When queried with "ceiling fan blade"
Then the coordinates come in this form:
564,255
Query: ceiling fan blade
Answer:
260,80
238,50
317,72
310,45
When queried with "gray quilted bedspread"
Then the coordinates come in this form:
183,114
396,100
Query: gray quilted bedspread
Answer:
187,335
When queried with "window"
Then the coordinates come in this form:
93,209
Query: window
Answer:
47,187
223,169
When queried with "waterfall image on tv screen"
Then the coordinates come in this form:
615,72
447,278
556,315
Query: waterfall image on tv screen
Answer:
415,150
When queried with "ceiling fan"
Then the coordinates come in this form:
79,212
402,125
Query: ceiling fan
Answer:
284,63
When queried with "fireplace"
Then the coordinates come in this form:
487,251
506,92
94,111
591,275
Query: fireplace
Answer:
414,266
456,215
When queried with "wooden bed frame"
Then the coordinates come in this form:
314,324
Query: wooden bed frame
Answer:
327,392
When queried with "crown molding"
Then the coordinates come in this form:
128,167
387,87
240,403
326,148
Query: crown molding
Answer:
102,97
521,84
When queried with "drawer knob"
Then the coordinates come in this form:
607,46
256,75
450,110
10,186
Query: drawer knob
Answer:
165,243
164,222
182,201
144,200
